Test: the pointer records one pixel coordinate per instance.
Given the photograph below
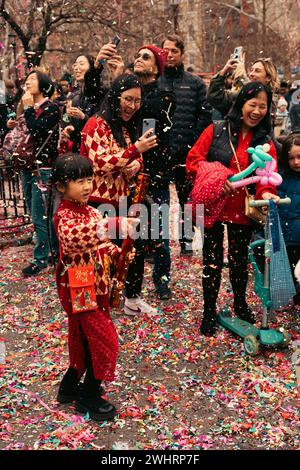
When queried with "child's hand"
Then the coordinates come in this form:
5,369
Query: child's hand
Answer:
128,227
131,255
131,169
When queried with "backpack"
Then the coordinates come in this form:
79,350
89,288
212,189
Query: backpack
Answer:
18,147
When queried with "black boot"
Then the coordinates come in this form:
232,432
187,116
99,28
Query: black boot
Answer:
209,323
243,312
90,401
98,408
89,398
69,387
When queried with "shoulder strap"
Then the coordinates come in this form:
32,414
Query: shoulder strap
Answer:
235,155
46,140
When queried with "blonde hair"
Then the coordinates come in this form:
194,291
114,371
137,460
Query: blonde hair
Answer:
270,71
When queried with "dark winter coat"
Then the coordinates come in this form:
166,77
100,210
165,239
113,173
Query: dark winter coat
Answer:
290,214
158,104
88,100
39,122
295,117
192,114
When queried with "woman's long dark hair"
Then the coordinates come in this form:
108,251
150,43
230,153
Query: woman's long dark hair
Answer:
110,109
248,92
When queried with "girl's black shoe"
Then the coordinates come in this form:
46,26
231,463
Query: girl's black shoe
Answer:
68,395
65,396
98,408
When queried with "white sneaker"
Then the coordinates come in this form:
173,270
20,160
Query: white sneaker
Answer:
138,306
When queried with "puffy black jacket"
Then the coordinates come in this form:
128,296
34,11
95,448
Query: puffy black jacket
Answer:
39,125
192,114
295,117
158,104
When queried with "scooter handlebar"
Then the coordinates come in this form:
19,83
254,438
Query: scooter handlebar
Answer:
266,202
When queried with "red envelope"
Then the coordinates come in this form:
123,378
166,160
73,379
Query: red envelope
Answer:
82,288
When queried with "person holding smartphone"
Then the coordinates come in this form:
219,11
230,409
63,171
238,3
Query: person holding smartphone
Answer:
87,100
262,70
158,104
111,141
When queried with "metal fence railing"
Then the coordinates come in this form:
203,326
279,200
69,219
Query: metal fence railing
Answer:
13,212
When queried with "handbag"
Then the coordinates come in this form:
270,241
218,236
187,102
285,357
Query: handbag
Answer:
258,214
19,146
82,288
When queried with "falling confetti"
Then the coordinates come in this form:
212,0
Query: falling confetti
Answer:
174,389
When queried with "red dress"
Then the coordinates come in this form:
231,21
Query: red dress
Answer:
80,229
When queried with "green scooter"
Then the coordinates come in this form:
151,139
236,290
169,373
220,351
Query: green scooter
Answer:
254,337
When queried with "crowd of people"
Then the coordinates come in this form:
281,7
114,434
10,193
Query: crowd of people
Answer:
88,146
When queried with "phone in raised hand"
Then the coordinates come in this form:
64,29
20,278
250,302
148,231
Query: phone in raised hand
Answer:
237,53
148,124
116,40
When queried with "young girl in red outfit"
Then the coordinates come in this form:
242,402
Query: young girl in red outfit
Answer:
247,124
82,283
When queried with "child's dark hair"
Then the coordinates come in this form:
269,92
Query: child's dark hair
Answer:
71,167
287,144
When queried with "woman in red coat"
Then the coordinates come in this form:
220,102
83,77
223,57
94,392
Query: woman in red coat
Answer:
247,124
111,142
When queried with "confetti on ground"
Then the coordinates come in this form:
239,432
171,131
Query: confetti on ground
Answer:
174,389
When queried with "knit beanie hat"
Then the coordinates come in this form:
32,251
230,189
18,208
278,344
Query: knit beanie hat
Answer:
160,56
282,102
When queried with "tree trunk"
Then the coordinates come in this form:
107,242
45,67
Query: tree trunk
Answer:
6,62
264,26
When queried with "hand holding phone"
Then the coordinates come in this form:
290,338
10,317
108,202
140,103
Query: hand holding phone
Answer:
147,125
116,40
148,139
107,51
237,53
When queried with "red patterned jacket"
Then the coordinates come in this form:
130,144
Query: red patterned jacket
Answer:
82,238
108,159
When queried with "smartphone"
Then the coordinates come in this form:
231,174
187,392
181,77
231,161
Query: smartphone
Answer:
237,53
116,40
148,124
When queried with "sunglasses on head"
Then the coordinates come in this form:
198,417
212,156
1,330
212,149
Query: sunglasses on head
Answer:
144,56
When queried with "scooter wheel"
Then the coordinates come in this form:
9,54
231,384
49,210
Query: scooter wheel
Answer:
251,345
286,338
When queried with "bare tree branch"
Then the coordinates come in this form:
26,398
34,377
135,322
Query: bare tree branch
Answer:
6,16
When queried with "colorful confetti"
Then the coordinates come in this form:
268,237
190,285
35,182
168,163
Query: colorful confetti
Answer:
174,389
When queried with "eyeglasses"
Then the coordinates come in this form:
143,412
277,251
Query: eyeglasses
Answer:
131,100
144,56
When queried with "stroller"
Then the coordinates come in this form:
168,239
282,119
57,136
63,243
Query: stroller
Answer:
274,286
